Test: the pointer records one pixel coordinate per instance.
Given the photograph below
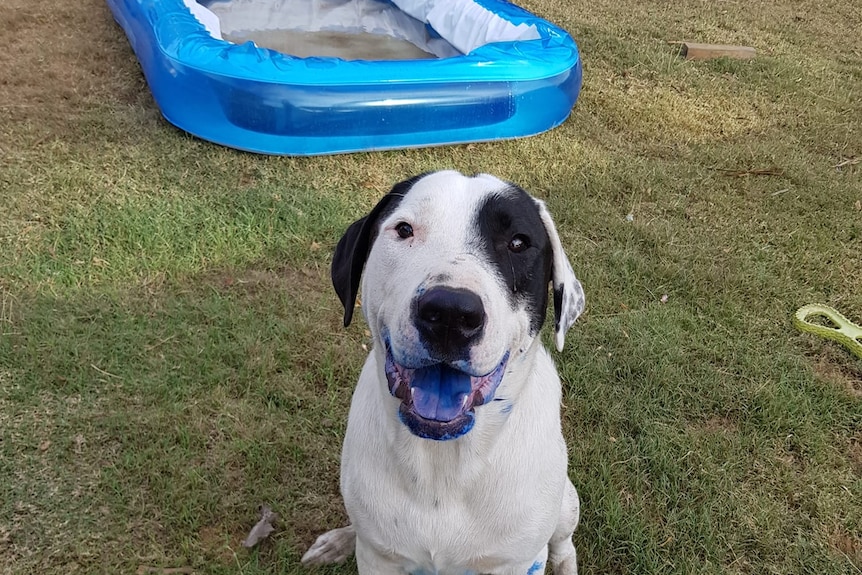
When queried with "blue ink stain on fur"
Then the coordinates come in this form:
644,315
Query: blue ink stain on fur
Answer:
536,568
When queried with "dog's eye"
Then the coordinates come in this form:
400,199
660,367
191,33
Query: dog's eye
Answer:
404,230
519,243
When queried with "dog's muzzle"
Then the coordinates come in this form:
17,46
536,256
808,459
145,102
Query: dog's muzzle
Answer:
438,401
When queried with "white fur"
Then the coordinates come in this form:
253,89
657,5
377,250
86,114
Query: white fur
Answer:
496,500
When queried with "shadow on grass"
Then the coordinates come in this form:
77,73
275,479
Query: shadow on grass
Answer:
700,448
144,428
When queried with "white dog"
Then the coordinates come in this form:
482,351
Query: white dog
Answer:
454,461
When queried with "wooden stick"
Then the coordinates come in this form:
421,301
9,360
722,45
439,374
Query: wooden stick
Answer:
695,51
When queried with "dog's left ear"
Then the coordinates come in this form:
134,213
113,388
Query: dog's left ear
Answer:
353,247
569,300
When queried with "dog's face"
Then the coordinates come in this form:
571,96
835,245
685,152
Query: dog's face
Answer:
456,286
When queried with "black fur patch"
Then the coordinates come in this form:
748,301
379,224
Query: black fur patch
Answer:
526,274
353,247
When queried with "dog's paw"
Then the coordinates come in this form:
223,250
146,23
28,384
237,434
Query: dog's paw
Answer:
569,566
332,547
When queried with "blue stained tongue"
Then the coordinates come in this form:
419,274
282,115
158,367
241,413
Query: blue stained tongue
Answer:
439,392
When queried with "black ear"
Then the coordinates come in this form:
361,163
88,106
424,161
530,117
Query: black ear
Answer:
353,247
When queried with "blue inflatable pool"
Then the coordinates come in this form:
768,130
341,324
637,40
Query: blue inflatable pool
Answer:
493,71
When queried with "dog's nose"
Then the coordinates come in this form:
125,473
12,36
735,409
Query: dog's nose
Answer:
450,318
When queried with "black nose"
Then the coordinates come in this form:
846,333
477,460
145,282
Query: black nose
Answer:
450,319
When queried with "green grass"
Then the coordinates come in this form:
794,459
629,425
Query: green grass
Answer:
172,356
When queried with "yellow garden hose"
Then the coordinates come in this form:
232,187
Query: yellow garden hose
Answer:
846,332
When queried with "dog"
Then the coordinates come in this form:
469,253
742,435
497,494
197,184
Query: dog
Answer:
454,462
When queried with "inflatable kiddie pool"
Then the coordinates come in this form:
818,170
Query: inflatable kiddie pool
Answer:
484,70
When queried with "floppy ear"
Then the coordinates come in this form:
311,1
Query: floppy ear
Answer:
353,247
569,298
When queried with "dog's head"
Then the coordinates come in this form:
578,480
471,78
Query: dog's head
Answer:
455,289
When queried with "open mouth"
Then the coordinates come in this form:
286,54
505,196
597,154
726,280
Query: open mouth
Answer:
438,401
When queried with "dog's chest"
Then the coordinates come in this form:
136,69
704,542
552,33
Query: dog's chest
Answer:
443,515
484,503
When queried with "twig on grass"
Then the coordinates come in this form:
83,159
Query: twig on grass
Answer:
103,372
848,162
160,342
6,308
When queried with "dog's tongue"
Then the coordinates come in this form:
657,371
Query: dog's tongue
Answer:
439,392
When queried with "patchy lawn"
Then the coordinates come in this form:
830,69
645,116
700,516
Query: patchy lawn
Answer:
172,356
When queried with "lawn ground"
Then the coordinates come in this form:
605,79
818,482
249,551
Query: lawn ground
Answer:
172,356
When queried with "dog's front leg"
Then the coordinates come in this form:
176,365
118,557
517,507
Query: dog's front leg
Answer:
332,547
561,552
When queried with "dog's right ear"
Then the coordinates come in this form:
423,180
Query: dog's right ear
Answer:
568,293
353,247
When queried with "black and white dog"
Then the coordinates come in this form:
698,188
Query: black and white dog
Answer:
454,461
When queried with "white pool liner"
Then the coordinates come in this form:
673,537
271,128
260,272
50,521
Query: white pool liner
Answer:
465,24
462,25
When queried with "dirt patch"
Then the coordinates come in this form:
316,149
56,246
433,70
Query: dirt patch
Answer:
714,425
840,371
219,544
850,546
62,62
720,424
255,280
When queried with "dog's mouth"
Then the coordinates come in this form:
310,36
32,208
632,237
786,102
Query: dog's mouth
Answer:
438,401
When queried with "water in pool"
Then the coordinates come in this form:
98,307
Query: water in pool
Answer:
333,44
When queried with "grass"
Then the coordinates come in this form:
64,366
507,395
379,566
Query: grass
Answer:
172,356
